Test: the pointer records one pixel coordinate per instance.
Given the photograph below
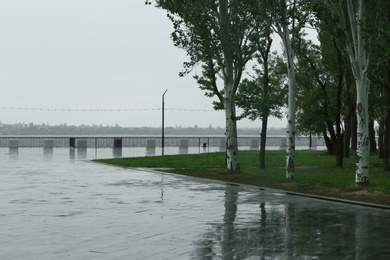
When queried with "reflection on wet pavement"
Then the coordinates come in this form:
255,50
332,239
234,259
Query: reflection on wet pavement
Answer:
57,205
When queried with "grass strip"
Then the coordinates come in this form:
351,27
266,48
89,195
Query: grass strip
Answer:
315,173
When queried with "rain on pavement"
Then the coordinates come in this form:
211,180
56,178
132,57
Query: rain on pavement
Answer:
57,204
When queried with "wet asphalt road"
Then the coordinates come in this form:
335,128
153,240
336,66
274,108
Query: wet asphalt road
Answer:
58,205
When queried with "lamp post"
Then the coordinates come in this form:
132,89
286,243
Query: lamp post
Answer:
162,128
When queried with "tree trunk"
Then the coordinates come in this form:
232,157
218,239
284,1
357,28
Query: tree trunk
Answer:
339,151
232,161
371,131
290,154
354,131
266,110
283,31
336,142
328,143
290,130
348,112
347,136
339,135
363,140
381,138
263,140
386,144
352,26
359,62
386,125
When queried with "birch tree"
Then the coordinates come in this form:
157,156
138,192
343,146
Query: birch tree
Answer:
352,23
217,36
279,10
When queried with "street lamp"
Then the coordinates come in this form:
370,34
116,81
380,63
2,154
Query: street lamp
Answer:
162,129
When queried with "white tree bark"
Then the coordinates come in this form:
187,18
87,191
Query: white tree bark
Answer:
359,61
284,33
231,134
229,93
363,141
290,131
355,47
232,160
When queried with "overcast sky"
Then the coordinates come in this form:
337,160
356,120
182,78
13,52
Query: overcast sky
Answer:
96,55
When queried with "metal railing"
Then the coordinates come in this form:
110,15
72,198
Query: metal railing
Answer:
251,142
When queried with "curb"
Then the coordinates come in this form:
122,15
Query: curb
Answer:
345,201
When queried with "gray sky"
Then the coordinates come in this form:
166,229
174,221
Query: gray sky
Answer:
96,55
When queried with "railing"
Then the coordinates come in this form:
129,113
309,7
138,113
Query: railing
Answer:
245,142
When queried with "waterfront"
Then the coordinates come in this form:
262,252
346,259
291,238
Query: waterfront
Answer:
127,146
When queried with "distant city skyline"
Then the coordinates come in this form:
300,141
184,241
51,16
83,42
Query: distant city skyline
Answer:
96,55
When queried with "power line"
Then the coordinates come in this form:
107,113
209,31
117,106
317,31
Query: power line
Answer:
104,110
190,110
77,110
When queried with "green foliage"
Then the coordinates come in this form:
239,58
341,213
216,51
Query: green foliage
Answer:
379,70
221,36
210,42
259,99
322,70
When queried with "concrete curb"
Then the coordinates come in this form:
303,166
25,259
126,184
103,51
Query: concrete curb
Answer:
345,201
352,202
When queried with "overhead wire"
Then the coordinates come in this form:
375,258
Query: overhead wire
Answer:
104,110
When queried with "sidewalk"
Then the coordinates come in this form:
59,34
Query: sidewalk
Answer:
55,206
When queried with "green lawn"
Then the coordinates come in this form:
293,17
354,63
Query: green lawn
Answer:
315,172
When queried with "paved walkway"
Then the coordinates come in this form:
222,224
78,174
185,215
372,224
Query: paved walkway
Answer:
55,206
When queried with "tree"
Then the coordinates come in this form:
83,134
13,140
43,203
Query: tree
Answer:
321,74
218,36
379,74
352,24
264,94
281,22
